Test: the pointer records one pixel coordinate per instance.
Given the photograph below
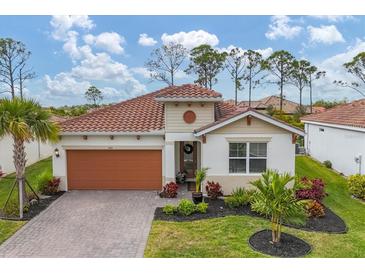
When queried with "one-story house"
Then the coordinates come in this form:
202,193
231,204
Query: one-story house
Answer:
338,135
142,143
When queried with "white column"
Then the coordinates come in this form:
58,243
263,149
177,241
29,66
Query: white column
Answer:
169,161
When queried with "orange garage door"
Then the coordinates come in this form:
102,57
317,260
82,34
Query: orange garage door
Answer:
114,169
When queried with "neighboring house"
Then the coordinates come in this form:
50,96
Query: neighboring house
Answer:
289,107
35,150
143,142
338,135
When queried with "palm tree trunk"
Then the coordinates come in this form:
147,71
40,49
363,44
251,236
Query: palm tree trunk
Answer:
19,163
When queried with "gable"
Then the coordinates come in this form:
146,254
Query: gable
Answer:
257,126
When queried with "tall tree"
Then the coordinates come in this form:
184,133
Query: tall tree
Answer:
254,67
279,64
206,63
235,65
13,66
24,120
165,62
356,67
94,95
300,76
314,74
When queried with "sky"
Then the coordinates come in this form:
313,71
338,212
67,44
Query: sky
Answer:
70,53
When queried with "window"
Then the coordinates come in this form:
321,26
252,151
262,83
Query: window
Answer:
247,157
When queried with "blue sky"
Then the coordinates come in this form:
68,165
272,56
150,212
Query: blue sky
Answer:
69,53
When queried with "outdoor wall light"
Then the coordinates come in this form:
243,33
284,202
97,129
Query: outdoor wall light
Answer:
57,152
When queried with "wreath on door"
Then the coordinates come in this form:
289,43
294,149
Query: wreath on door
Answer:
188,148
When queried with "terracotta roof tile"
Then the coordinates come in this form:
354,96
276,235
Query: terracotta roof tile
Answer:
141,114
351,114
188,91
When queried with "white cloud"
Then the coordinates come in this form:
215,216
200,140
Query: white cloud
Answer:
110,41
325,35
334,18
145,40
191,39
62,23
335,71
142,71
70,45
281,27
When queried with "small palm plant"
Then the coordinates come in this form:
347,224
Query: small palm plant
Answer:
275,199
24,120
200,176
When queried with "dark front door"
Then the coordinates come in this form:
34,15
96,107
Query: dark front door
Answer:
188,158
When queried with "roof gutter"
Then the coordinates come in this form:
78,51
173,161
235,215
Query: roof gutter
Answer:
352,128
117,133
186,99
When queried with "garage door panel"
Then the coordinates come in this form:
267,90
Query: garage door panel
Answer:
114,169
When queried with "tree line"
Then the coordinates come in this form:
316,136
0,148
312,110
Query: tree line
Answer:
247,69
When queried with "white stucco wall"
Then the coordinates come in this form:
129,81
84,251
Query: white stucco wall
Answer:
101,142
340,146
215,156
35,151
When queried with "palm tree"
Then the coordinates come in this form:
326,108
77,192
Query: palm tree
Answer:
277,200
200,175
24,120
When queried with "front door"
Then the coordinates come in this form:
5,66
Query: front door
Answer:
188,158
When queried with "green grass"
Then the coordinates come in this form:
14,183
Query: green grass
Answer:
8,228
227,237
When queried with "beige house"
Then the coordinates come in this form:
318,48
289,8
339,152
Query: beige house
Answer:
142,143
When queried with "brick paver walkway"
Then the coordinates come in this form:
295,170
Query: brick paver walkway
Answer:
88,224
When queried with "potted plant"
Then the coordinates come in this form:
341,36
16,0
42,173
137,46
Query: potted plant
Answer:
200,175
276,200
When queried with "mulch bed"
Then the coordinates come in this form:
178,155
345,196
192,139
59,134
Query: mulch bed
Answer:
289,246
330,223
34,209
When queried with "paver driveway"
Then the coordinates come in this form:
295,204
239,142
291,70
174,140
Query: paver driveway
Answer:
88,224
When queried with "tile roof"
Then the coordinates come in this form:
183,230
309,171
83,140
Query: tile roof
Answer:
188,91
140,114
351,114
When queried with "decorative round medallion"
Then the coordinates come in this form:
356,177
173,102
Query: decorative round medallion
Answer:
189,117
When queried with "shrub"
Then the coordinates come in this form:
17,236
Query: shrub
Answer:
186,207
52,186
42,180
314,209
327,164
239,197
356,185
311,190
214,190
201,207
169,190
169,209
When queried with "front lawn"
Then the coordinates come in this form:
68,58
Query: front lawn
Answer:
228,236
8,228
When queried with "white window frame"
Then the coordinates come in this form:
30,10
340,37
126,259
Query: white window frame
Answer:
247,157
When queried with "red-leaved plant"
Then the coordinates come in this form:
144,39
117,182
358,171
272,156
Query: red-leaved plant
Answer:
214,190
169,190
52,186
312,190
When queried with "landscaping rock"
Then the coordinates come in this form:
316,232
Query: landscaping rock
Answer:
289,246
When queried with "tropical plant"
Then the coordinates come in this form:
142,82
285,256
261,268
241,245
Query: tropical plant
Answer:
42,180
310,189
24,120
214,190
169,209
165,62
206,62
201,207
276,200
314,209
186,207
239,197
200,175
169,190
